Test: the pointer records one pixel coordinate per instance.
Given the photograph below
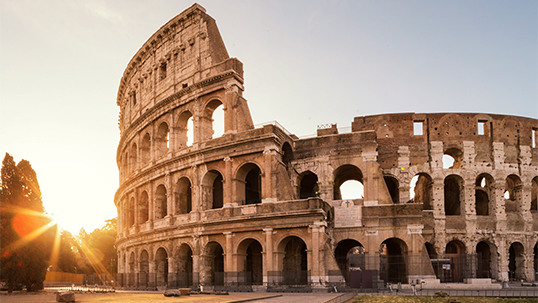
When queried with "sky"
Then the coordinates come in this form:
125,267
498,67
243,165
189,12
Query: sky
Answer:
306,63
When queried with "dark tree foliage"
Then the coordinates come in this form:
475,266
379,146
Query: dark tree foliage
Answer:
67,259
25,234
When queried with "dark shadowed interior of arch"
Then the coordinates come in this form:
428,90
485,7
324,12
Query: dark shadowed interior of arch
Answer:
253,186
254,264
287,155
349,253
161,207
536,262
145,150
534,197
484,254
218,192
131,213
184,266
215,262
161,264
392,186
452,196
420,190
516,262
295,262
309,185
143,211
431,250
393,267
183,196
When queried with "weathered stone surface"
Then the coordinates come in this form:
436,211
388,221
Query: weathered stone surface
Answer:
65,296
255,204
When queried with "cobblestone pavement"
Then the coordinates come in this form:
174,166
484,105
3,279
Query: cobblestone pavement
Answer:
121,296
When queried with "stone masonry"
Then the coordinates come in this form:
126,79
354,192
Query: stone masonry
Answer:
260,206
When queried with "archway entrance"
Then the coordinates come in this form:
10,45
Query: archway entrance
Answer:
250,263
143,278
161,267
487,260
184,266
393,268
350,257
516,262
214,264
294,263
454,271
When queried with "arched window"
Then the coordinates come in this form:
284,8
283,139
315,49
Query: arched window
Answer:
534,195
249,184
218,121
287,153
213,272
453,190
143,214
145,149
452,159
212,190
353,187
421,190
161,264
132,158
183,196
207,126
162,140
161,209
349,254
513,193
309,185
132,206
393,254
185,129
483,190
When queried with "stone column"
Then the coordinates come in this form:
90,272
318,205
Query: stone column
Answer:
268,256
503,258
268,194
316,229
499,202
228,256
228,199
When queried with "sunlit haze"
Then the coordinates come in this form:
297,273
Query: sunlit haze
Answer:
306,63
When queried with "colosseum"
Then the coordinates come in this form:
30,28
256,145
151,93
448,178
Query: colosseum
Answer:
259,207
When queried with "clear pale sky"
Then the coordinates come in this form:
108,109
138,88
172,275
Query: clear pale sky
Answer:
306,63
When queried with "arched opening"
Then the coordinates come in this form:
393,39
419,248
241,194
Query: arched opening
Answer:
294,264
125,165
132,158
421,190
350,257
145,149
207,122
287,153
393,187
487,259
516,262
534,195
132,206
143,210
253,186
536,262
392,256
184,266
162,140
183,196
185,128
350,190
453,191
213,272
218,121
430,249
513,193
131,280
212,190
144,269
250,262
161,209
483,190
249,184
308,185
161,267
452,158
455,251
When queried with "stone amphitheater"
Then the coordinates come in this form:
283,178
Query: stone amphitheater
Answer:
260,207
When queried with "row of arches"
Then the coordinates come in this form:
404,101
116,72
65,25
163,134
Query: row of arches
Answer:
172,133
485,265
136,210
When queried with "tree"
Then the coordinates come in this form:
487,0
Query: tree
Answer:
26,235
98,248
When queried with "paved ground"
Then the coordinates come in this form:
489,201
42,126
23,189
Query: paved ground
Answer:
121,296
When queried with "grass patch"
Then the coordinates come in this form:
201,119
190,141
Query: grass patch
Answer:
427,299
